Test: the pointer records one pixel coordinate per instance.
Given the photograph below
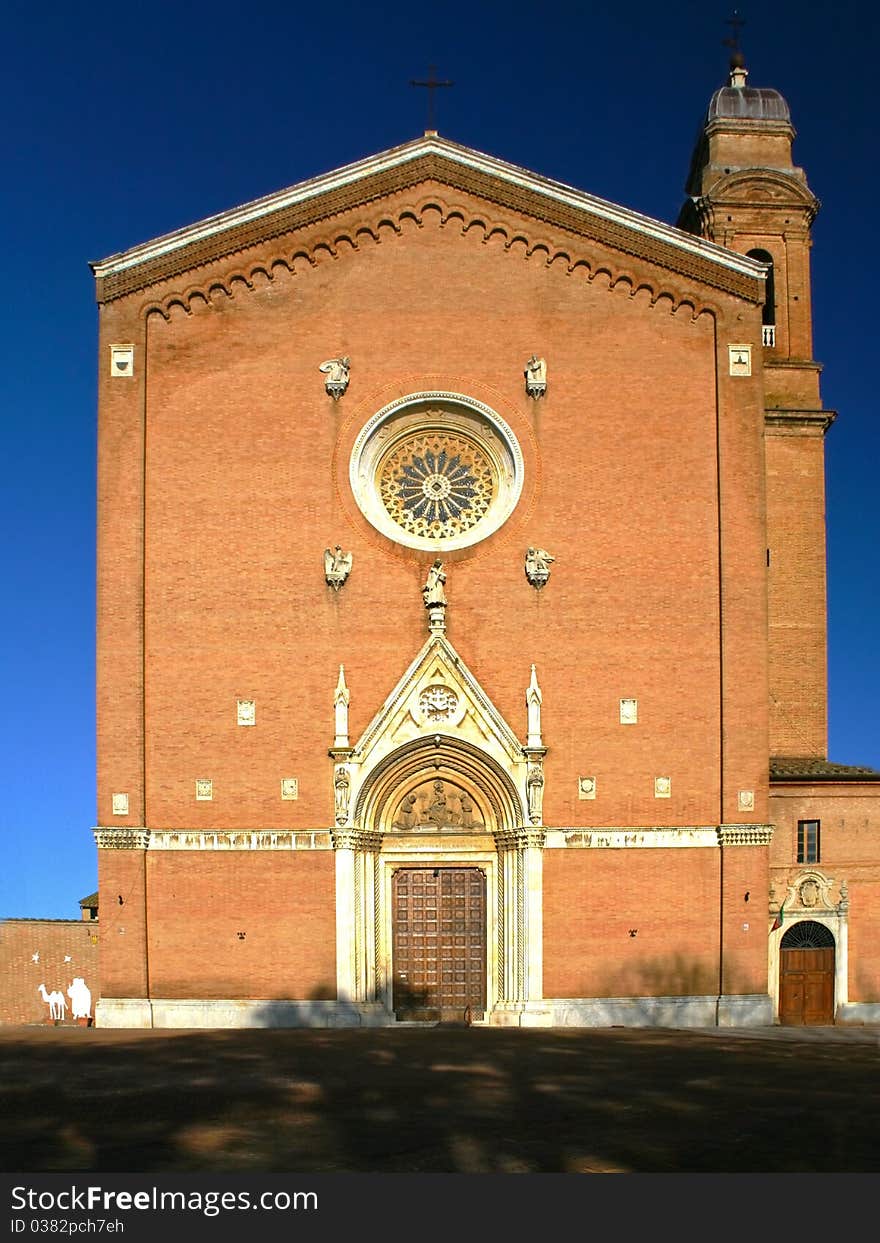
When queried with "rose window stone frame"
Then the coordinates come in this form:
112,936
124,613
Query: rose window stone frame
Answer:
436,471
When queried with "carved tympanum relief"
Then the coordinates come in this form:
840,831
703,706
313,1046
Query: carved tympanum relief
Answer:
436,805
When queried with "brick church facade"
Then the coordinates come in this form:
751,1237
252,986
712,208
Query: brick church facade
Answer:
461,611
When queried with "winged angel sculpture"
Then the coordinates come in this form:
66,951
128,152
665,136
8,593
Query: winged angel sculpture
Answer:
336,370
337,566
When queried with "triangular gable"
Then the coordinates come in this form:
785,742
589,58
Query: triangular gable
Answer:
416,708
429,158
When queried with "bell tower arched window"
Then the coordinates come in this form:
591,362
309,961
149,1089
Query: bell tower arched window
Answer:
768,315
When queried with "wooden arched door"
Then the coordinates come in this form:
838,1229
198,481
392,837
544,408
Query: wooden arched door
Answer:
806,975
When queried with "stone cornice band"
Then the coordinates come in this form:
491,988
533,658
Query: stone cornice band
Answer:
525,836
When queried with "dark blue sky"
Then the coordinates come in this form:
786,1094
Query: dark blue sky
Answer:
124,122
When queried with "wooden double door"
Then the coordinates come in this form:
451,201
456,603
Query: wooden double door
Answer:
806,987
439,943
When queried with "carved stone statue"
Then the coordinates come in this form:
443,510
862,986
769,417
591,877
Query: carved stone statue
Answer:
337,566
433,591
336,371
535,791
406,813
536,376
467,812
538,562
438,810
342,788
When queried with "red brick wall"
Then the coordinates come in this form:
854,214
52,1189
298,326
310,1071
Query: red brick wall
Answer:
796,587
864,936
284,903
123,926
592,898
247,484
52,940
199,901
744,906
119,680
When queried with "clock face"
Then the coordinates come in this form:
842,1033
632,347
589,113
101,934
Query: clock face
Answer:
436,471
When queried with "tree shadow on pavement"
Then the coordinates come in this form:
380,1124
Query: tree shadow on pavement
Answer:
437,1099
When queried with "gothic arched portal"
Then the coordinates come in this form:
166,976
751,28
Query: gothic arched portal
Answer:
444,915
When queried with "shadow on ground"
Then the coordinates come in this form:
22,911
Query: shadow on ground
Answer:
438,1100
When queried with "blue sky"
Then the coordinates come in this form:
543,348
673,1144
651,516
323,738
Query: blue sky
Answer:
124,122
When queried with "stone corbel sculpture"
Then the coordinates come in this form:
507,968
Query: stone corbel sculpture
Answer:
536,376
337,567
538,562
336,371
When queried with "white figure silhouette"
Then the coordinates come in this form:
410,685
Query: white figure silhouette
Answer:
80,998
55,1001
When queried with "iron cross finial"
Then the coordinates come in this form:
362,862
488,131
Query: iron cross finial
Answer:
736,24
432,84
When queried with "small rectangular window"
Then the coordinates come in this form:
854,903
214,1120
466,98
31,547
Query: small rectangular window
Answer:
808,841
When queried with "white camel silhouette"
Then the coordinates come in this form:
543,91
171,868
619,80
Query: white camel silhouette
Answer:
55,1001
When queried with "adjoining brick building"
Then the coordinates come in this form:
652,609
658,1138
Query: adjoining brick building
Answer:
461,645
41,961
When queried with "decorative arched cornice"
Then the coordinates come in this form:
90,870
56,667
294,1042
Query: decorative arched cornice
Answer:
790,187
340,243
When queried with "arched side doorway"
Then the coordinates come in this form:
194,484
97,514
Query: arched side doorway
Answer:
806,975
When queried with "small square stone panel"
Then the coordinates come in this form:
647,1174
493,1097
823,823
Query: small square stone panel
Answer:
120,804
740,359
629,711
586,787
122,361
246,712
289,788
662,787
204,790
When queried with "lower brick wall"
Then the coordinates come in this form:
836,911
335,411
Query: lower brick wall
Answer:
64,949
242,925
592,901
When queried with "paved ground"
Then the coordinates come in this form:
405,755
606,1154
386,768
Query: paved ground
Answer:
441,1099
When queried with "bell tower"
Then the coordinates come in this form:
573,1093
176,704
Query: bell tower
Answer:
745,192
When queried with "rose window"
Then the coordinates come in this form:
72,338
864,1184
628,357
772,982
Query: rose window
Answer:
436,471
436,485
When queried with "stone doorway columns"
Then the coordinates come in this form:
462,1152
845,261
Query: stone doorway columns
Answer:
513,864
